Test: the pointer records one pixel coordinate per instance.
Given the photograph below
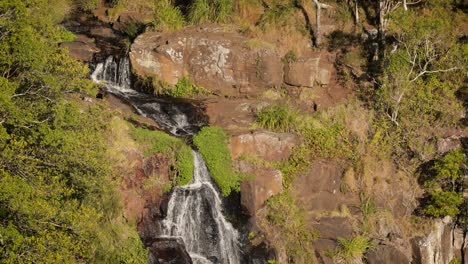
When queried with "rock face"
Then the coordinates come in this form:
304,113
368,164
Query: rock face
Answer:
82,48
436,247
255,192
306,72
266,145
386,254
167,250
223,62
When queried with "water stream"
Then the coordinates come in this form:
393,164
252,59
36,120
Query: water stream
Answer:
194,211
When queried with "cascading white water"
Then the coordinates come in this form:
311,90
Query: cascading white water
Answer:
194,214
195,210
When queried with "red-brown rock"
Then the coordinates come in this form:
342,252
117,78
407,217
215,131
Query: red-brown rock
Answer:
82,48
254,192
220,61
266,145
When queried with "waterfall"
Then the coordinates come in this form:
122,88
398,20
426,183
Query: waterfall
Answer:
194,211
196,203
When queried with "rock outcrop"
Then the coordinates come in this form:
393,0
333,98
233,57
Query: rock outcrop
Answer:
82,48
306,72
254,192
167,250
386,254
265,145
436,247
223,62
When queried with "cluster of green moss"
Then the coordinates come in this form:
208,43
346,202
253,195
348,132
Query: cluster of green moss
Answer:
175,148
212,144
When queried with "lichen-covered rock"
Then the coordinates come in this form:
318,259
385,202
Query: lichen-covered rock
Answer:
219,61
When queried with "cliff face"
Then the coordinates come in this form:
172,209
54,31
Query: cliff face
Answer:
338,198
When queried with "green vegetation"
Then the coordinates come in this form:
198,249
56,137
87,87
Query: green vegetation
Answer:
277,14
287,219
444,183
441,203
212,144
201,11
175,148
57,201
351,250
167,16
289,57
278,117
87,5
185,88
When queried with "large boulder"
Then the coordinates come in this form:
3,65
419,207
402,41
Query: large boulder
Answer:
254,192
265,145
306,72
167,250
225,63
82,48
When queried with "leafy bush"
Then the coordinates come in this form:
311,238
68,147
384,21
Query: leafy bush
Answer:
168,16
449,167
445,186
278,117
442,203
133,29
87,5
351,250
201,11
175,148
212,144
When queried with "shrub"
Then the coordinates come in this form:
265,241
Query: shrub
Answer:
351,250
133,29
87,5
185,88
287,219
289,57
212,144
442,203
167,16
277,117
209,10
449,167
176,149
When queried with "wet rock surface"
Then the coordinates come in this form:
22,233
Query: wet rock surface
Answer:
167,251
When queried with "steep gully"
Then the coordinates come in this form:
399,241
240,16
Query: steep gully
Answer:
194,212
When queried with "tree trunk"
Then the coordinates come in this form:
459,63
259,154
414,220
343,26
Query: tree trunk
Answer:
356,12
405,6
318,39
